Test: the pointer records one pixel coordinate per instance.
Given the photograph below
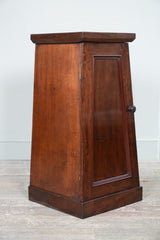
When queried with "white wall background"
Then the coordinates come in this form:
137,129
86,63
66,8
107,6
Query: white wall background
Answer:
20,18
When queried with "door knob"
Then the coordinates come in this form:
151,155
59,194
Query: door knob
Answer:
131,109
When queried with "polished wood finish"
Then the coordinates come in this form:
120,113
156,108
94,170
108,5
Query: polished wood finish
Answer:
128,179
109,125
84,158
55,137
75,37
87,208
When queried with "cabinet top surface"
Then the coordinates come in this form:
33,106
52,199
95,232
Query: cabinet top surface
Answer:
76,37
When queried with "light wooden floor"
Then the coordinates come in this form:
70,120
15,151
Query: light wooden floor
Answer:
21,219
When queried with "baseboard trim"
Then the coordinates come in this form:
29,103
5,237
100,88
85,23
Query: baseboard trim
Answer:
88,208
15,150
148,150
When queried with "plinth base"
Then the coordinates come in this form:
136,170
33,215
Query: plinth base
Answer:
88,208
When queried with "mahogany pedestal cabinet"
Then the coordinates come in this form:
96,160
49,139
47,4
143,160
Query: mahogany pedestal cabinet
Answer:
84,157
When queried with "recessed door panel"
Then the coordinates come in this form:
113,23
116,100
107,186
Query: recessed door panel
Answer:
109,158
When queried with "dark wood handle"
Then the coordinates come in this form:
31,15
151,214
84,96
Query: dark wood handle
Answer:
131,109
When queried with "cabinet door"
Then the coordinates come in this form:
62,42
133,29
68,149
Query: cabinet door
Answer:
108,134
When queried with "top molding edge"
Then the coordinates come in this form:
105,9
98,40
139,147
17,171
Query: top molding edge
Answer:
77,37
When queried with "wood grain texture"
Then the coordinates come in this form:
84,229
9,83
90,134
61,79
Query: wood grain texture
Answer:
108,123
56,132
88,208
106,50
75,37
83,139
130,116
23,219
57,201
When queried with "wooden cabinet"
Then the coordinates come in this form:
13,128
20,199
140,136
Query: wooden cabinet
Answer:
84,158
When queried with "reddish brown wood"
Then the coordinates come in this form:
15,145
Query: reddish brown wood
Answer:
130,179
112,201
88,208
109,127
56,129
75,37
84,158
60,202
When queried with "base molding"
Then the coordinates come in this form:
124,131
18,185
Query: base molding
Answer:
88,208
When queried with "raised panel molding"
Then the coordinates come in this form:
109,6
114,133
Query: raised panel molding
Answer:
127,174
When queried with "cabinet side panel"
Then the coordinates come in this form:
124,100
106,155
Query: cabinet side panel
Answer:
56,133
130,116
